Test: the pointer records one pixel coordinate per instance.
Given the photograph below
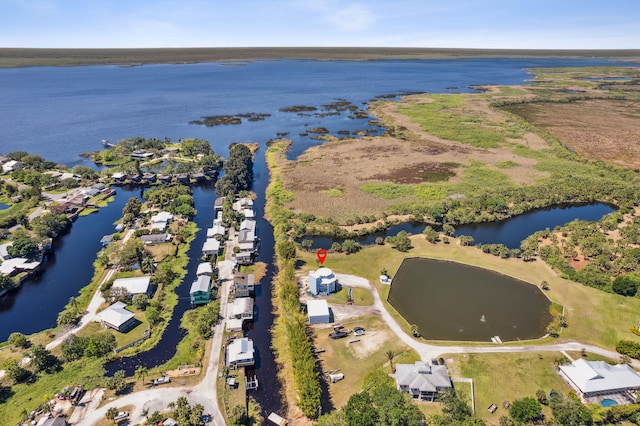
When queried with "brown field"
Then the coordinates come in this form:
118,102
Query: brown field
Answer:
18,57
605,130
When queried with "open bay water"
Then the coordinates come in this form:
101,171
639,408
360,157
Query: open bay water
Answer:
60,113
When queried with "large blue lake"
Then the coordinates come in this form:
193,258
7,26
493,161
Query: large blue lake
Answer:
60,113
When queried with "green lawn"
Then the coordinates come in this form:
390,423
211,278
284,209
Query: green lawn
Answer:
506,377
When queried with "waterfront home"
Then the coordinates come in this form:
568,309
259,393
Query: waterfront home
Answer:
200,292
117,317
243,204
240,353
17,265
141,154
11,166
149,177
135,285
234,324
153,239
165,178
248,214
318,312
106,240
205,268
322,281
216,231
242,308
182,178
243,285
134,178
161,221
218,204
422,380
118,177
597,379
198,177
89,192
211,247
78,200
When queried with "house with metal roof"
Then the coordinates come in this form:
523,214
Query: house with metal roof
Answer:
161,220
200,292
152,239
205,268
211,247
243,284
597,378
422,380
117,317
242,308
135,285
318,312
240,352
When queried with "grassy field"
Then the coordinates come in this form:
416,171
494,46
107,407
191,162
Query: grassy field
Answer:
507,377
357,356
17,57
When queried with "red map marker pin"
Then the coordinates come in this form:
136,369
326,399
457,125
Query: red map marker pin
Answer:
322,255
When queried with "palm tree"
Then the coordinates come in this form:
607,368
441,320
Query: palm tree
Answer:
148,265
391,355
141,372
74,303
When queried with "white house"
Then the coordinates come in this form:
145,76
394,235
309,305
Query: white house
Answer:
318,312
597,378
135,285
215,231
11,165
240,352
16,265
422,380
242,308
322,281
211,247
117,317
161,220
204,268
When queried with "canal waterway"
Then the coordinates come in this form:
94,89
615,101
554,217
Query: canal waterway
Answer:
35,305
509,232
453,301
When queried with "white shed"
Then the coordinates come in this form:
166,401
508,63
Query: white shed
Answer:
318,311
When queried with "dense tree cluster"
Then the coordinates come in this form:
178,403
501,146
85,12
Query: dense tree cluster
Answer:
50,224
176,199
97,345
238,171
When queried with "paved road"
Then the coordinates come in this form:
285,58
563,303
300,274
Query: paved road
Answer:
427,352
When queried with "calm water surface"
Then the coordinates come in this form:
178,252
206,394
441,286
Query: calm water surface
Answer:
452,301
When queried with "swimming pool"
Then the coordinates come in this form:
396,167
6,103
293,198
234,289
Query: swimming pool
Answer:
608,402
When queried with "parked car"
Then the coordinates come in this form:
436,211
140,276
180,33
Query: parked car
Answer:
161,380
121,415
358,331
338,334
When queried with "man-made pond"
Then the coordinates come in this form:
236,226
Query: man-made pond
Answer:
453,301
509,232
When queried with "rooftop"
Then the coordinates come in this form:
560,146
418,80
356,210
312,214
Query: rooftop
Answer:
598,376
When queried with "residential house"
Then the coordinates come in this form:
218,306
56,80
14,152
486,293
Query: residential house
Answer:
153,239
17,265
243,204
242,308
247,242
54,421
11,166
134,285
205,268
211,247
422,380
118,177
248,214
218,204
182,178
318,312
200,292
243,285
217,231
597,378
78,200
322,281
240,353
161,221
149,177
165,178
117,317
141,155
106,240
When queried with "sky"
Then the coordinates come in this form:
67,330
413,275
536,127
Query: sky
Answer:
505,24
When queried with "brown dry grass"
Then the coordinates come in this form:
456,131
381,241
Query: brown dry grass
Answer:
598,129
